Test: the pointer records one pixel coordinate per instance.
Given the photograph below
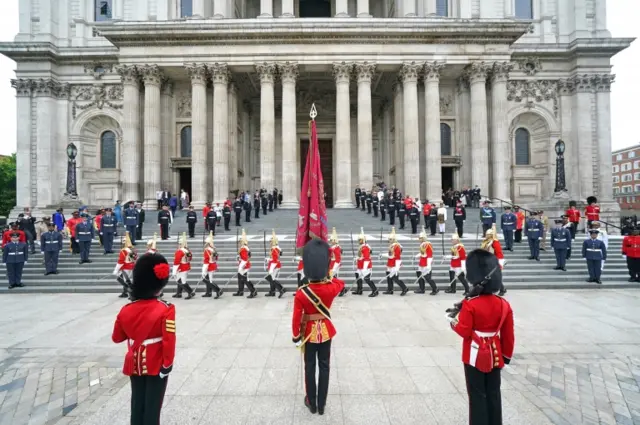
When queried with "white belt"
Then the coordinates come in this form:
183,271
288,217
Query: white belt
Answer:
594,249
507,224
148,341
486,334
51,241
83,233
560,240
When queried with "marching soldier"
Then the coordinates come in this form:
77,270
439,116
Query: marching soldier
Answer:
164,221
459,217
141,217
97,223
302,280
181,266
131,221
414,217
457,265
363,199
442,218
270,199
358,192
336,254
108,227
631,253
492,244
595,252
433,219
152,245
573,214
124,266
256,205
533,231
520,223
84,236
226,212
364,266
273,268
209,267
244,265
375,202
391,209
561,244
51,245
487,216
424,271
426,211
192,219
237,208
508,225
592,211
15,256
394,261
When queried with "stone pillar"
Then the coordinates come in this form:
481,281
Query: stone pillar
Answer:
287,12
342,8
409,73
152,77
233,138
602,84
166,134
398,126
45,92
410,11
266,9
365,72
220,9
62,139
432,130
267,73
342,73
566,89
464,139
583,133
198,9
500,149
363,10
220,77
246,145
477,73
430,7
130,169
23,136
290,168
199,183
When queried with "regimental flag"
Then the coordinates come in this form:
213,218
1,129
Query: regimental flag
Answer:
312,216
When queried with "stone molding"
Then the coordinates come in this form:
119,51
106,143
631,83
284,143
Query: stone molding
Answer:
583,83
602,82
566,87
477,72
432,71
342,72
586,83
533,91
129,74
500,71
198,73
151,75
267,72
410,71
43,87
23,87
288,72
365,71
219,73
97,96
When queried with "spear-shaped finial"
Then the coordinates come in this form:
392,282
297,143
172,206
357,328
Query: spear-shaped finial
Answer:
314,113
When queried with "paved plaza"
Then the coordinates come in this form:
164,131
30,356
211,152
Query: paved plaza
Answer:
394,361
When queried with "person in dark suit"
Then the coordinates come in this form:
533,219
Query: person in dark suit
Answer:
108,229
131,221
51,245
84,236
141,215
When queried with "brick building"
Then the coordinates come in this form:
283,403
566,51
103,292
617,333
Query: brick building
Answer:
626,177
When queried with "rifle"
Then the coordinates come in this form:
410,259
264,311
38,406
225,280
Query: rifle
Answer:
353,254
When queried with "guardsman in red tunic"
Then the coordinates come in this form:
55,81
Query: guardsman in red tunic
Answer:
573,214
425,259
492,244
302,280
181,267
457,266
273,268
364,266
149,327
124,266
485,323
312,327
151,245
209,267
631,252
394,261
336,254
592,211
244,265
426,211
520,220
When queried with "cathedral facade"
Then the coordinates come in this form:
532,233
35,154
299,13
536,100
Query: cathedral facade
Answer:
213,96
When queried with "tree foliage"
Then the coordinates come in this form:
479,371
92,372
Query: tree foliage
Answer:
7,184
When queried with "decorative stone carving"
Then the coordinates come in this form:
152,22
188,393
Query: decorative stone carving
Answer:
529,65
602,82
566,87
410,71
197,72
129,74
288,72
23,87
96,96
151,74
463,84
583,83
324,99
432,71
267,72
98,69
167,87
477,72
501,70
183,104
446,105
533,91
397,85
365,71
342,71
49,88
219,73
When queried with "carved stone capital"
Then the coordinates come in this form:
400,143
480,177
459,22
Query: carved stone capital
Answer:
46,88
129,74
167,87
396,85
477,72
23,87
151,75
288,72
566,87
410,71
602,82
583,83
500,71
365,71
64,91
198,73
219,73
342,71
432,71
463,84
267,72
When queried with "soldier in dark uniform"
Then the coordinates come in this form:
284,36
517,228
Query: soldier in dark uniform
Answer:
508,225
84,236
226,212
459,216
270,199
414,217
192,219
212,219
237,208
108,229
358,191
375,204
433,219
369,201
256,204
275,199
533,230
164,220
391,209
141,216
263,203
595,252
561,244
363,199
402,211
15,256
131,221
51,245
247,212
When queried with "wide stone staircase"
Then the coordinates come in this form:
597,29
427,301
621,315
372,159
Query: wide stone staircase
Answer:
519,272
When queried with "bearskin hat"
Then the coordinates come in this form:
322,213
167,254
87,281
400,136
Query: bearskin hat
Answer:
480,264
315,257
150,275
592,200
573,204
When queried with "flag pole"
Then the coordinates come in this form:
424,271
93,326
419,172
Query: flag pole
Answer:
313,114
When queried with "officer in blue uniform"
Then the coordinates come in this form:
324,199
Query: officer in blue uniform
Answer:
595,252
108,228
533,230
51,245
561,244
508,226
131,221
487,216
84,236
15,256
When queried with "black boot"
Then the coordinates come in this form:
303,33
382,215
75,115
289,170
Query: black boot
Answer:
432,283
464,282
374,290
389,290
207,292
240,286
217,289
178,293
503,290
272,287
420,289
281,290
451,289
125,287
299,280
190,292
402,286
253,293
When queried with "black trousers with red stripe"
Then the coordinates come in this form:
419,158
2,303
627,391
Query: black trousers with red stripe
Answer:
485,400
147,394
323,353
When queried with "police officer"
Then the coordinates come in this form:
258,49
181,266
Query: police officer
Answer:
402,211
414,218
15,256
237,208
131,221
164,221
51,245
247,211
263,203
595,252
192,219
433,219
375,202
256,204
508,225
108,229
533,231
212,218
358,191
459,216
488,217
226,212
561,244
84,236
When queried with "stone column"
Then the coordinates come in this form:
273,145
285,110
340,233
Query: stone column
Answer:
266,9
290,169
287,12
583,133
410,11
409,73
166,134
130,168
152,77
267,73
342,73
199,183
477,73
500,152
198,9
233,138
220,9
432,130
602,84
365,72
566,89
464,140
398,126
430,8
342,8
363,11
45,92
220,77
23,137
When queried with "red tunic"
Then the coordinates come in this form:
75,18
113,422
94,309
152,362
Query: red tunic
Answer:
71,225
6,236
182,259
127,258
275,258
210,259
428,253
408,203
631,246
245,254
483,314
97,221
592,212
300,266
317,331
364,257
150,327
395,255
426,209
336,255
573,215
519,220
458,255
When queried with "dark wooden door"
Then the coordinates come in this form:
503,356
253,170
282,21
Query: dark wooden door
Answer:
326,164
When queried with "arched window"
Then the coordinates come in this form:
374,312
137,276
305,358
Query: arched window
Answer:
445,139
104,10
185,142
442,8
186,8
523,140
524,9
108,150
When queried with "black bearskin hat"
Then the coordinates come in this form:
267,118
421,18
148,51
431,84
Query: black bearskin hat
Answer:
573,204
592,200
315,257
150,275
480,264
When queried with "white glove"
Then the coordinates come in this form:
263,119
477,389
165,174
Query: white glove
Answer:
463,266
448,257
540,238
417,256
78,240
25,263
174,270
501,262
299,343
205,269
601,265
117,269
624,256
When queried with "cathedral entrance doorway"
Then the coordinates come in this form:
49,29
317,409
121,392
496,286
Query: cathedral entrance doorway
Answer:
447,179
185,181
325,146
